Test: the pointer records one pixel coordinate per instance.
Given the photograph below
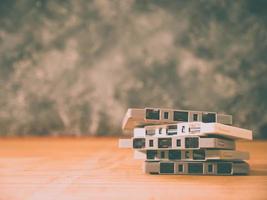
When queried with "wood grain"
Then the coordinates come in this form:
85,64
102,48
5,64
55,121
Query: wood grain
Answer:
94,168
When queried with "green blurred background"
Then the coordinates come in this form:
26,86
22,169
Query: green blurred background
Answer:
74,67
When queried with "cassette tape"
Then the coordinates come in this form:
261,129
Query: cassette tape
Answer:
191,155
194,128
176,142
135,117
197,168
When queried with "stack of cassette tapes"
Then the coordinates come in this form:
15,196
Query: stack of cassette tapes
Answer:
185,142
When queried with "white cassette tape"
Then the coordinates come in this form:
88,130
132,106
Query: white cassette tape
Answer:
197,168
140,117
191,155
194,128
176,142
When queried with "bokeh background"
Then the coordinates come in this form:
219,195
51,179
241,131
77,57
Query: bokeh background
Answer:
74,67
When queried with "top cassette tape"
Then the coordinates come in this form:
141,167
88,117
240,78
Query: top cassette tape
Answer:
149,116
194,128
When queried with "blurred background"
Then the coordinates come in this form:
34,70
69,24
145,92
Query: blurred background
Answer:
74,67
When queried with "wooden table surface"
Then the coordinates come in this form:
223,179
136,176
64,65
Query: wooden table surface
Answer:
94,168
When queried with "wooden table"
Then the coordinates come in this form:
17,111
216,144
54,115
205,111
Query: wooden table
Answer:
94,168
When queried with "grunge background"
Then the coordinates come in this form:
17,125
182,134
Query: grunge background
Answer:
74,67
